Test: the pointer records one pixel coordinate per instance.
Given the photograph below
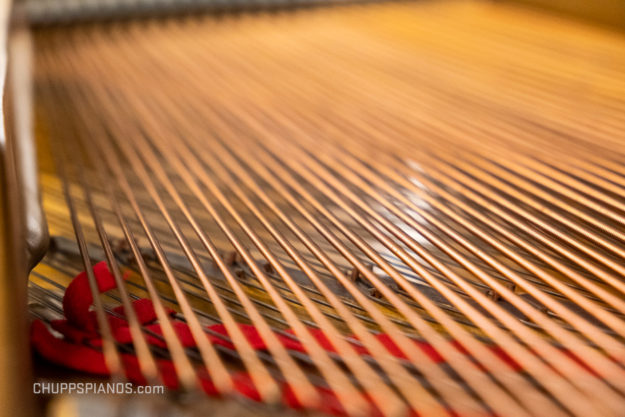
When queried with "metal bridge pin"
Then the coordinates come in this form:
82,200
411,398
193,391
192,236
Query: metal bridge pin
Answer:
232,258
375,293
354,274
267,267
240,273
493,295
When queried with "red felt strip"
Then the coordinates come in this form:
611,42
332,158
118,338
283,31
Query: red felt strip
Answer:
78,348
78,298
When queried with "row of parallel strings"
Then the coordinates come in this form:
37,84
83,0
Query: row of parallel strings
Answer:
313,171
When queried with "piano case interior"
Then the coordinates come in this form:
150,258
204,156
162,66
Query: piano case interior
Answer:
347,208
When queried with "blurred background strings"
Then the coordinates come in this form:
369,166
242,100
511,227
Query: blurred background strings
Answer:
448,172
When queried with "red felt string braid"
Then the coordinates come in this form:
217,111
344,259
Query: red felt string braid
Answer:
79,346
